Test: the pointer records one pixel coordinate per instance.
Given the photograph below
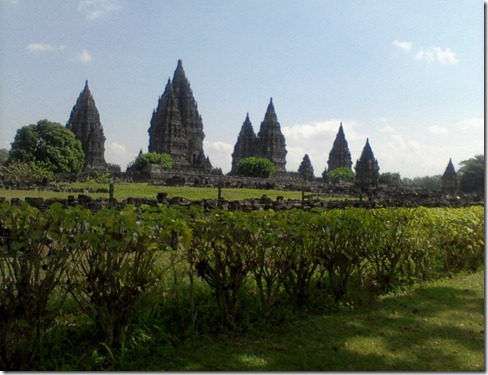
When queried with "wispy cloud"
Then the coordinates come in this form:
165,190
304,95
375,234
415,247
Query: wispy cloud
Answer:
430,54
84,57
438,130
95,9
437,54
406,46
43,47
472,123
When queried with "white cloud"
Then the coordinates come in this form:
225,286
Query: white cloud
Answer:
406,46
220,154
472,123
437,54
438,130
116,153
84,57
95,9
43,47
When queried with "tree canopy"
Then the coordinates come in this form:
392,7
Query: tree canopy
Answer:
340,175
152,158
255,167
472,175
48,143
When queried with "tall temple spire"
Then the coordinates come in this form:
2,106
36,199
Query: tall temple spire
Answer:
367,169
245,145
449,179
84,122
339,156
176,126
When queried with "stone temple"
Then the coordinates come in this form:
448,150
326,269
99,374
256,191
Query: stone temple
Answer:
177,127
339,156
367,169
449,179
84,122
269,143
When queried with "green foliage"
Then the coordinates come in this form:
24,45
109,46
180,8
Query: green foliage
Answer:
155,274
3,155
427,182
152,158
25,173
33,262
340,175
390,179
49,143
255,167
472,175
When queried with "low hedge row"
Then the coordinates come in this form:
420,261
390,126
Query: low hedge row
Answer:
234,267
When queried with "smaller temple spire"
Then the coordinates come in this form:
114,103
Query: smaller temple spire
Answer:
180,64
449,179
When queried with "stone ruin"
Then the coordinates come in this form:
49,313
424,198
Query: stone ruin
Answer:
269,143
367,169
84,122
339,156
177,127
449,180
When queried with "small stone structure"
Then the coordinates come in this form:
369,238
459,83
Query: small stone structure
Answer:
269,143
177,127
367,169
449,179
306,169
84,122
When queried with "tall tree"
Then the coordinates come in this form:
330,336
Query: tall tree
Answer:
472,175
49,143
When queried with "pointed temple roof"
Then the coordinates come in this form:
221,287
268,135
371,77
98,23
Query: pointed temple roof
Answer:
449,179
339,156
84,122
367,169
176,126
245,145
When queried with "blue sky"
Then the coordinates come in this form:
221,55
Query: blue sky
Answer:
408,75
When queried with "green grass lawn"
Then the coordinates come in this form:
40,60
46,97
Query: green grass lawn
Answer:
437,327
142,190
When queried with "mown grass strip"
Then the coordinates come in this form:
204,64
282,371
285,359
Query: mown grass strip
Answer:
438,326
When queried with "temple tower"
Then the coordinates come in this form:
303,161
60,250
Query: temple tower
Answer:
176,126
367,169
271,141
84,122
306,169
245,145
449,179
339,156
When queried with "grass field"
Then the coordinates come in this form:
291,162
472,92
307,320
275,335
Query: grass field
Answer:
142,190
437,327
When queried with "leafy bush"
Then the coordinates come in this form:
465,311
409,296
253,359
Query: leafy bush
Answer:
33,263
25,173
255,167
152,158
340,175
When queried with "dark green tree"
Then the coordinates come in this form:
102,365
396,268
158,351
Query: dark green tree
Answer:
255,167
472,175
152,158
426,182
50,144
390,179
341,175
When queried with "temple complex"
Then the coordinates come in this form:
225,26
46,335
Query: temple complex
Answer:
177,127
367,169
84,122
269,143
449,179
339,156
